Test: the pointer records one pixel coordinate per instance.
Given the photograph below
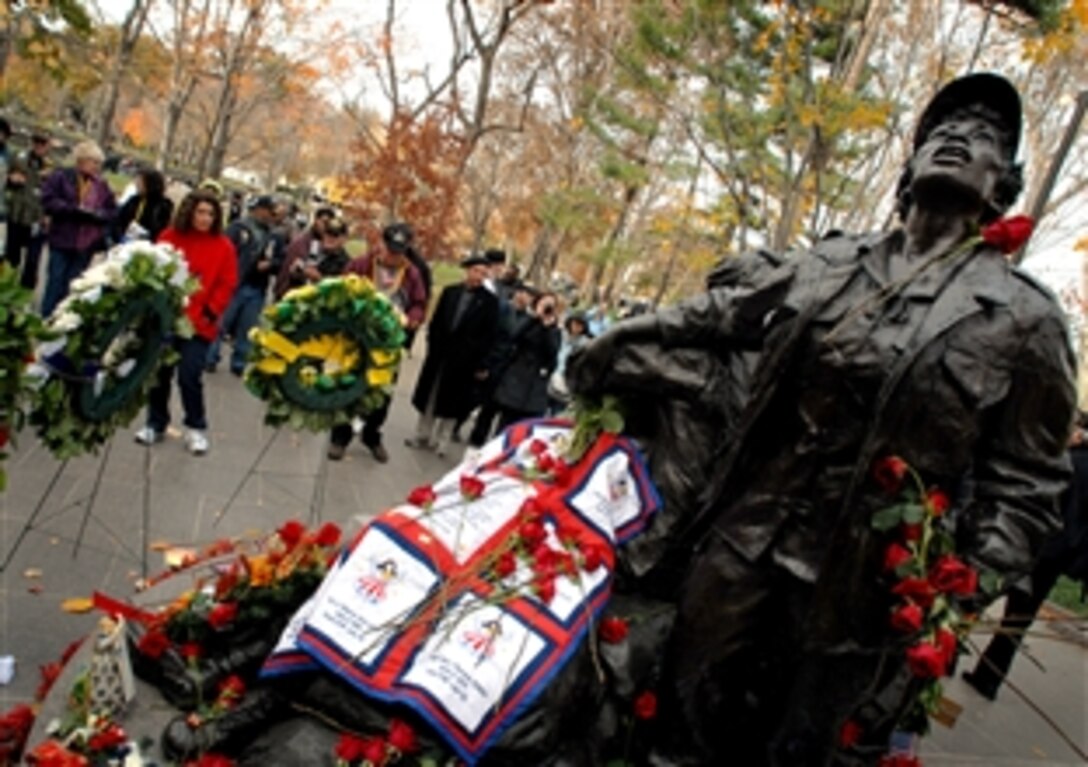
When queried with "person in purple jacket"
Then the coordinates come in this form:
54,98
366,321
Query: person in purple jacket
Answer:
80,207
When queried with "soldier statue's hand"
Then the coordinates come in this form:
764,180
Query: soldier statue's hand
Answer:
589,366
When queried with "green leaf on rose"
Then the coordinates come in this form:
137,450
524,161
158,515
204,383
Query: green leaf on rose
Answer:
913,513
888,517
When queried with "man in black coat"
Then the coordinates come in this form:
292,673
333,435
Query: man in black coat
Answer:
921,343
459,337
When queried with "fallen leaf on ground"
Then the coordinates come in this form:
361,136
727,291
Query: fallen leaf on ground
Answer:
160,545
179,557
32,572
77,605
35,589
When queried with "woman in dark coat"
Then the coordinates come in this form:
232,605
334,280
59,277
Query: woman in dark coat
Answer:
523,391
147,213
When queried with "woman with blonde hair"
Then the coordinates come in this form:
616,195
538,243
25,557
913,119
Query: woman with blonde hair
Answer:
80,206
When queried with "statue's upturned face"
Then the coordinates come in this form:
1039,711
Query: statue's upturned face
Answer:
959,164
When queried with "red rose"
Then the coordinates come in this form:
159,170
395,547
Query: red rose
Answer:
374,751
926,661
350,747
532,533
646,706
950,575
222,615
328,535
291,533
948,644
506,564
53,754
423,496
227,581
899,760
538,447
561,473
889,473
17,723
153,644
107,739
471,487
937,502
47,678
918,590
5,435
592,557
531,510
212,760
908,618
545,561
911,532
190,651
232,687
896,555
613,630
1008,234
849,734
402,737
545,589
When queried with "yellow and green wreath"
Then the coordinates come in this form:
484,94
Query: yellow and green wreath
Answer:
325,354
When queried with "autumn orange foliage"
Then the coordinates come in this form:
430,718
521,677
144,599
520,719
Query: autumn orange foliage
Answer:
410,173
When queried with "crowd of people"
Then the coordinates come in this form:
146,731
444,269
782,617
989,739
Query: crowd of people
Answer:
496,346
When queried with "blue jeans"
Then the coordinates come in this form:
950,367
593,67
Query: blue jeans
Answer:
190,369
64,266
241,315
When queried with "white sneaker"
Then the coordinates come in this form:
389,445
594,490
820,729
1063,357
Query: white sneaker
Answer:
148,436
196,441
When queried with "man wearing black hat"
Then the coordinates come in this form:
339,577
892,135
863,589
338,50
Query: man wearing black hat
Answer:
922,343
400,238
459,337
398,280
257,264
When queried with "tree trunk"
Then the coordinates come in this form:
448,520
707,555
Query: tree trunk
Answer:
183,79
130,33
214,155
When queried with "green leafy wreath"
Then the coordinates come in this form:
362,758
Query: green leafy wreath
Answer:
109,338
325,354
20,329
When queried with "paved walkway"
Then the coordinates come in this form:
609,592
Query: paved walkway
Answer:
80,548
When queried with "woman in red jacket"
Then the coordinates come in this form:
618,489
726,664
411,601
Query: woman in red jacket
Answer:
197,233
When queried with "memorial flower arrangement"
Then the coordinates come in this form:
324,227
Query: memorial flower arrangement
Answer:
107,341
932,587
325,354
270,581
380,750
20,329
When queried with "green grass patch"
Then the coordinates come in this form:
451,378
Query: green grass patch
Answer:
1067,593
444,273
117,181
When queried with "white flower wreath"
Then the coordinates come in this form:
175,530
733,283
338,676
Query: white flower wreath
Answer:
107,342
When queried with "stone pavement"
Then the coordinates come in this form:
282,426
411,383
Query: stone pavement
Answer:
188,496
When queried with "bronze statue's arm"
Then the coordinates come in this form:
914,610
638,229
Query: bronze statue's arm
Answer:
1023,466
719,320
